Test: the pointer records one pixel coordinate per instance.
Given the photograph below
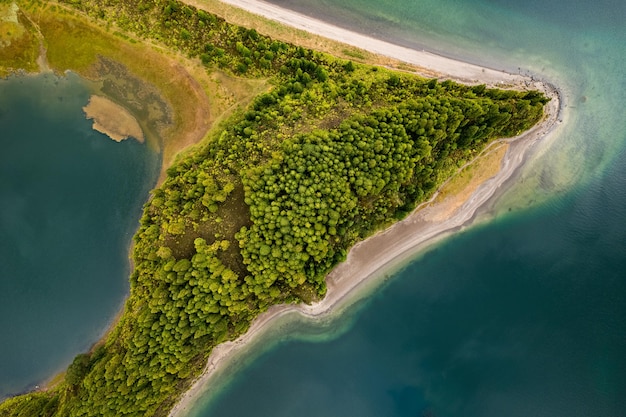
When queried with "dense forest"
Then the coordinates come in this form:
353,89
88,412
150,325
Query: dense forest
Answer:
272,199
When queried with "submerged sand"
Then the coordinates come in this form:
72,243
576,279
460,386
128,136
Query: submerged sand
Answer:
430,222
112,119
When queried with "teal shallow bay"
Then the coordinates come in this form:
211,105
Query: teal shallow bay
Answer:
521,315
70,200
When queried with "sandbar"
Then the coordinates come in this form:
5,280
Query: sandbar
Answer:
430,222
112,119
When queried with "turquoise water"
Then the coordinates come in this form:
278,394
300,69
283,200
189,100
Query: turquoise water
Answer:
523,314
70,200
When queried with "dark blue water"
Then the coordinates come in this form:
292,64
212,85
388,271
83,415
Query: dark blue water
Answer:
70,200
523,315
521,318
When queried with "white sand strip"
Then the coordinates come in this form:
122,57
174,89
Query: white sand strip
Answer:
448,67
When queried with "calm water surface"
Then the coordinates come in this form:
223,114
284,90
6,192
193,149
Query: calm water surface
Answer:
522,315
70,200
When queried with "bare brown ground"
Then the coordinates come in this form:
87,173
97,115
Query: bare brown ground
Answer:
112,119
198,115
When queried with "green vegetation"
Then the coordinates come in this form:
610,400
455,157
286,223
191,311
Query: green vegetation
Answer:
129,70
19,45
272,199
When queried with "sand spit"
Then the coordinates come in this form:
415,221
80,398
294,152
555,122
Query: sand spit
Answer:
112,119
367,260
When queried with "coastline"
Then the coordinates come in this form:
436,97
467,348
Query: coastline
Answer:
428,63
398,243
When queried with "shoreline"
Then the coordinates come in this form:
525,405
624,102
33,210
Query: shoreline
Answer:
404,239
428,63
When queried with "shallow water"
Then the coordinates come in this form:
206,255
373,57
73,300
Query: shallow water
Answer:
523,314
70,203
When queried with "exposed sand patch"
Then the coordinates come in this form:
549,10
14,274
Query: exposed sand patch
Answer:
112,119
458,189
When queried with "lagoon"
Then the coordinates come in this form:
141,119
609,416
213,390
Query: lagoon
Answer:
70,200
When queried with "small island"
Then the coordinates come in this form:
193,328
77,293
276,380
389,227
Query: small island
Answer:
278,159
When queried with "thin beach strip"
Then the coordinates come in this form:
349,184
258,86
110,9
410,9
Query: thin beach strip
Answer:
449,68
369,259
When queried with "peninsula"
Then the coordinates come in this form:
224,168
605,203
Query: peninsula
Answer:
319,153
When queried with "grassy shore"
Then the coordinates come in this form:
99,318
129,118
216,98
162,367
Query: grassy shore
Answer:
19,46
194,98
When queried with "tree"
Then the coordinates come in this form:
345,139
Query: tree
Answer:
77,370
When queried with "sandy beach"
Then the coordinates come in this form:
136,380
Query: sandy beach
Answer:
427,224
